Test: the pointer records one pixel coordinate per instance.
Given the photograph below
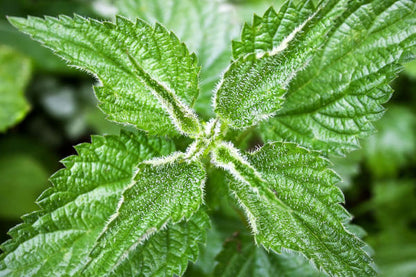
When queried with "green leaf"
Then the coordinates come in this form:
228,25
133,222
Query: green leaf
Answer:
138,66
291,201
254,86
59,237
167,252
163,190
15,71
205,26
273,30
241,257
333,100
244,98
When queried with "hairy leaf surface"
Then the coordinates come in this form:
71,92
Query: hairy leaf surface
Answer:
333,100
14,75
207,28
58,238
162,190
167,252
314,75
74,211
254,86
240,257
291,202
149,79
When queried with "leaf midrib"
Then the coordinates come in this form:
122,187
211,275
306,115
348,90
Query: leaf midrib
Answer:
318,72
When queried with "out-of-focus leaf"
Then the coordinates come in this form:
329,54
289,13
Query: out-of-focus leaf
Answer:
394,145
42,58
241,257
15,71
74,106
222,227
410,69
394,203
50,7
397,259
25,166
23,178
204,266
217,193
246,8
394,207
347,167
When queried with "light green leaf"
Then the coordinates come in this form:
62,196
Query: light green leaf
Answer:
148,78
291,201
163,190
241,257
167,252
333,100
206,26
15,70
58,238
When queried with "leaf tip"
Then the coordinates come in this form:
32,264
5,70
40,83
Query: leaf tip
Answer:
16,21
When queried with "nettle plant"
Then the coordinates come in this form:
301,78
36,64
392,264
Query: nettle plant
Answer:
312,78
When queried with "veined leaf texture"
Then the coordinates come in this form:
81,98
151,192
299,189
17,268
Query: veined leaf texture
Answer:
311,77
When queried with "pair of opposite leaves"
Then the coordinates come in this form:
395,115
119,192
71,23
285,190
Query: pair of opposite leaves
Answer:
283,64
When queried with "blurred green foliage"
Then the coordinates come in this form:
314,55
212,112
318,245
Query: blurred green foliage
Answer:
379,180
13,80
24,171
